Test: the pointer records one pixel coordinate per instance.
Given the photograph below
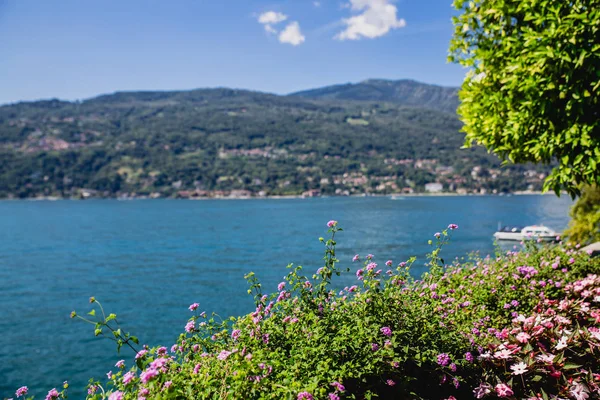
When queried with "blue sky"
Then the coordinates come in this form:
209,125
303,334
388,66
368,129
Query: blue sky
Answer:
76,49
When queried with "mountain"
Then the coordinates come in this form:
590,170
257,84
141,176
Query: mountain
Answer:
404,92
213,142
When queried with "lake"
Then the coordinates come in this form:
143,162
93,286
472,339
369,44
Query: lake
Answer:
147,260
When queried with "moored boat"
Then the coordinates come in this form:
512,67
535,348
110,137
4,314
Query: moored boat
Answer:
532,232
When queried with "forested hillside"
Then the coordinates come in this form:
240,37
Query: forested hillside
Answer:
210,142
405,92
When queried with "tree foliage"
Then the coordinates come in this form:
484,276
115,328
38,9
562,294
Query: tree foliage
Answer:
585,223
533,91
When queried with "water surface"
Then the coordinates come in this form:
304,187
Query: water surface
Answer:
147,260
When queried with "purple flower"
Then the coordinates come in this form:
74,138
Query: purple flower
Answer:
452,227
443,359
305,395
469,357
332,223
235,334
22,391
482,390
333,396
193,307
338,386
374,346
386,331
453,367
390,382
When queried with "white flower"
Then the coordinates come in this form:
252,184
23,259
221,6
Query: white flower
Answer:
503,354
546,358
519,369
579,391
562,343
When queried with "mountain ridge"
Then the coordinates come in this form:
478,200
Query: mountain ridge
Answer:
211,142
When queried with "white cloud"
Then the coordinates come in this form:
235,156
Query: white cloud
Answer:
270,18
376,18
292,34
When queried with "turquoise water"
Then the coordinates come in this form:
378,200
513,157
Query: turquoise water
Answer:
147,260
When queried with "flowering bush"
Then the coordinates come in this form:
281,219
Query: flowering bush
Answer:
517,325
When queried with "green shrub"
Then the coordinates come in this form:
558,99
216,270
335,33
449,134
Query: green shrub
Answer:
388,336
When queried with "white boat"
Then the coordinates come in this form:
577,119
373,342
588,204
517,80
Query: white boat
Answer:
532,232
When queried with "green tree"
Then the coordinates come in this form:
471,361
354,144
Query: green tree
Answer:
585,217
533,90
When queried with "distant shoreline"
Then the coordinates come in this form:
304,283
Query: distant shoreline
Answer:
287,197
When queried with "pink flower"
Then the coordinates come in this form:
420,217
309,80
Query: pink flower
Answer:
571,260
52,394
118,395
223,355
503,390
235,334
332,223
305,395
190,326
386,331
437,235
452,227
148,374
128,377
333,396
120,364
22,391
197,368
338,386
523,337
371,266
161,350
109,374
355,258
167,385
281,286
193,307
390,382
141,354
388,263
